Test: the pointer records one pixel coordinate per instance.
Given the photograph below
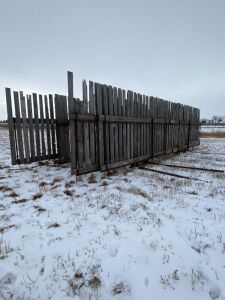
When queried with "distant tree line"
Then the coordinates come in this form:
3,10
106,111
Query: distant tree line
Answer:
3,121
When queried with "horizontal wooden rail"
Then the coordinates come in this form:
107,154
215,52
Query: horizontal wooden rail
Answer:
124,119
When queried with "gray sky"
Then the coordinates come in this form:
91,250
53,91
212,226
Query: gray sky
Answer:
172,49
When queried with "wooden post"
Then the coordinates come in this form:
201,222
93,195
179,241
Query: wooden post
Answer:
11,125
72,111
18,127
62,129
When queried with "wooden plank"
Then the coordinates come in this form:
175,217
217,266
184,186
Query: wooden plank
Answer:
111,126
31,128
43,148
92,124
128,113
80,135
124,127
18,127
87,160
11,126
47,126
72,124
115,113
100,127
135,126
142,99
25,132
36,127
51,107
105,109
131,125
120,127
62,128
147,126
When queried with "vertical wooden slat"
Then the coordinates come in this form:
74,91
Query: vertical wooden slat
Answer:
120,126
31,128
128,113
72,124
11,125
18,127
100,126
43,148
62,128
116,126
124,125
87,160
80,136
131,125
105,103
135,127
92,125
25,132
111,129
47,126
52,122
36,126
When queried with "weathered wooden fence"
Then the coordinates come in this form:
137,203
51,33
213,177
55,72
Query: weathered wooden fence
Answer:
112,127
109,128
38,127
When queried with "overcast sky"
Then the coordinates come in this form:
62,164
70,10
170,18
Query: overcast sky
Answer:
172,49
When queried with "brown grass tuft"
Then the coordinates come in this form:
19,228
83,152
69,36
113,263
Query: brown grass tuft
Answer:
68,193
13,195
39,209
215,134
54,225
19,201
37,196
43,183
92,179
137,191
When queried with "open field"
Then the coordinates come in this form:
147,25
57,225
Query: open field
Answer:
212,134
125,234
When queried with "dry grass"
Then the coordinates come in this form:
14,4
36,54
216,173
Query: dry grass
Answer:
37,196
19,201
54,225
68,193
92,179
5,188
215,134
138,192
39,209
43,183
13,195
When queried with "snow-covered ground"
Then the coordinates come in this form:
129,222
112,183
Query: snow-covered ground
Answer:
212,129
129,234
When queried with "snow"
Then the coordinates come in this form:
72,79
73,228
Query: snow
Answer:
128,234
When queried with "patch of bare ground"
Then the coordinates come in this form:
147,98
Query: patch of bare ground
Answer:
215,134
